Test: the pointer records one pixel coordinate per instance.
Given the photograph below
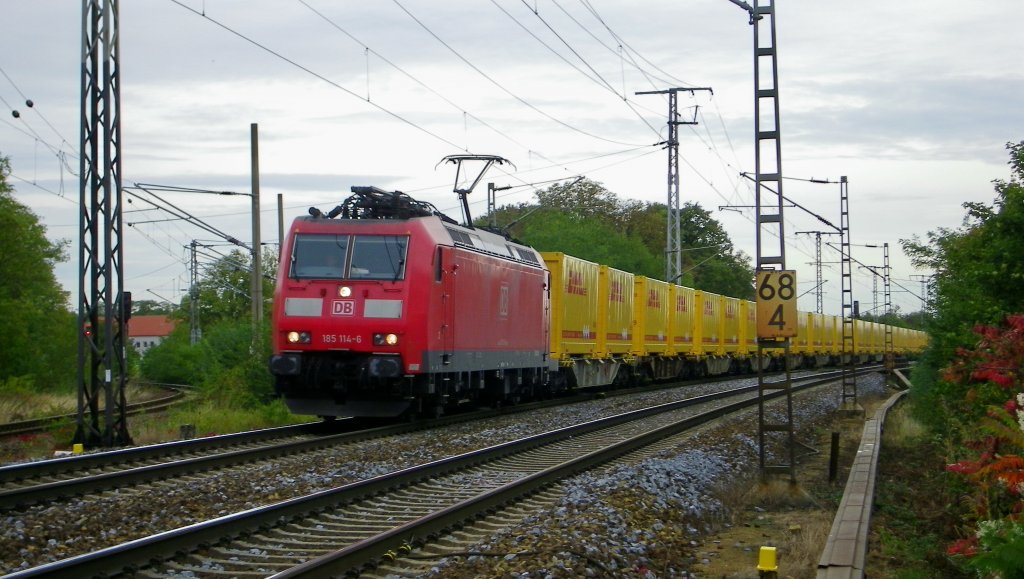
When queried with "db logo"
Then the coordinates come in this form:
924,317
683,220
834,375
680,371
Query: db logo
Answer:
343,308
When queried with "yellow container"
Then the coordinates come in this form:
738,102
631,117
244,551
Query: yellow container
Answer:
860,337
683,319
817,331
799,344
732,320
574,300
749,328
615,318
650,316
710,325
830,337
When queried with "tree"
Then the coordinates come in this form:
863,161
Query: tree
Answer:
39,337
225,288
630,235
151,308
591,240
979,271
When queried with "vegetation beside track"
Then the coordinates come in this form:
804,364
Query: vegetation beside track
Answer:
207,416
968,391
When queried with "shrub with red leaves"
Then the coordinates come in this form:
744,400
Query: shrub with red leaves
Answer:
996,473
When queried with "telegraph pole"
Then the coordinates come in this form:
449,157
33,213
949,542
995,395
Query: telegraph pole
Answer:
257,270
280,225
492,201
103,305
673,236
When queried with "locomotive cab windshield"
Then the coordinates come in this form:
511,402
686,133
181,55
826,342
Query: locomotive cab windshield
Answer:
355,257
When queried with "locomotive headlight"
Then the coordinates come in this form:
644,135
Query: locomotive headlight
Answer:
385,339
299,338
344,291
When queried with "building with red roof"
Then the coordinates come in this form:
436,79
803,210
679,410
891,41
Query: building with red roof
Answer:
148,331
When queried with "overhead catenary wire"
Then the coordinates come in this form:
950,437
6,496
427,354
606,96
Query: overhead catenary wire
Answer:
412,77
502,87
600,80
310,71
169,207
377,105
590,8
35,107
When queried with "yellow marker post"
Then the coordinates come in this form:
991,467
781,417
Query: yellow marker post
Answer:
77,448
767,566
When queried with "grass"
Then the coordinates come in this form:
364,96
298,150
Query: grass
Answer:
207,417
15,407
17,404
915,508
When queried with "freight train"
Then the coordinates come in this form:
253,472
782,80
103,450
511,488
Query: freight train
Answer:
386,307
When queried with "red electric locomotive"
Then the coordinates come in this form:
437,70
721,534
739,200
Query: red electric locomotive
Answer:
385,307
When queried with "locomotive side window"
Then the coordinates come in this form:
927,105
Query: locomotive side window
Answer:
378,257
319,256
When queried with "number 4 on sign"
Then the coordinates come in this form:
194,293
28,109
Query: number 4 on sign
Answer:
776,304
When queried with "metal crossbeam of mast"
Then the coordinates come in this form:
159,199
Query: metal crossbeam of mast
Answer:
103,306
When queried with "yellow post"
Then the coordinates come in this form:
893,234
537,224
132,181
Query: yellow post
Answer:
77,448
767,567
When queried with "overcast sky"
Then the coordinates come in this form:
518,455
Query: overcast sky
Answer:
913,101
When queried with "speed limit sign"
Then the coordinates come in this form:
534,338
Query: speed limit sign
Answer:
776,304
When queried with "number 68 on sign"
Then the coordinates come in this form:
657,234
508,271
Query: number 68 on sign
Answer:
776,304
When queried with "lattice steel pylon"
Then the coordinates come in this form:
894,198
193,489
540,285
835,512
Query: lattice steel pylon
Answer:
770,230
102,310
848,353
890,352
673,234
195,331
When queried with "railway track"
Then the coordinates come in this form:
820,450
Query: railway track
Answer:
175,394
49,480
353,526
